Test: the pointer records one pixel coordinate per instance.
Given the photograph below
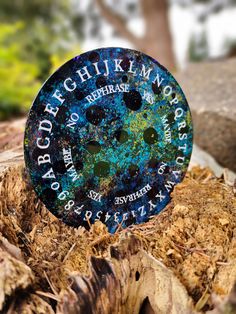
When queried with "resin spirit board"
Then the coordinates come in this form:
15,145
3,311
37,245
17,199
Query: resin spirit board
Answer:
107,138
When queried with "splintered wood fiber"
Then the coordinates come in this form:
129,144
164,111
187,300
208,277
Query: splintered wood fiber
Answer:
195,236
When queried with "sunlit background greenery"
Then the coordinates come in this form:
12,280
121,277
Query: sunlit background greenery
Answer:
34,40
39,35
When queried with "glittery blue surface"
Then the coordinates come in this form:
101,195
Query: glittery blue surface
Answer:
127,146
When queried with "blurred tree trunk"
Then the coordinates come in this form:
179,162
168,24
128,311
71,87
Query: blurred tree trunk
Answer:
157,41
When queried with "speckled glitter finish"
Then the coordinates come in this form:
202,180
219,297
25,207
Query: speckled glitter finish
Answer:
107,138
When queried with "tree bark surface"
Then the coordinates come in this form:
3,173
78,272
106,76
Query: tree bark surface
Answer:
157,40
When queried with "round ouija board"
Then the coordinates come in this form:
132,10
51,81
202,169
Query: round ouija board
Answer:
107,138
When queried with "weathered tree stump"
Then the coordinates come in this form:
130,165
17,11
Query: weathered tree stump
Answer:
186,254
130,281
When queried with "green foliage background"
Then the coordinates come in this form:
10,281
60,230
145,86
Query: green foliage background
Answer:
18,77
35,38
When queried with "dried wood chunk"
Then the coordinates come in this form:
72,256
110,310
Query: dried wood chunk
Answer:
14,275
32,304
129,280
